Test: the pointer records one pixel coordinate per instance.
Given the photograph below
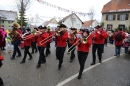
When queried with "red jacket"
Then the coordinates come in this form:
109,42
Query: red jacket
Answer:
50,34
120,43
74,40
27,42
85,47
20,33
41,37
61,40
99,37
34,39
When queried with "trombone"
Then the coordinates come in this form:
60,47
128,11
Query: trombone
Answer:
83,40
46,40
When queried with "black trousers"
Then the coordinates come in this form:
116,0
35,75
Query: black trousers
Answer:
72,51
34,47
60,54
41,55
103,48
26,51
82,56
1,82
48,48
16,48
97,47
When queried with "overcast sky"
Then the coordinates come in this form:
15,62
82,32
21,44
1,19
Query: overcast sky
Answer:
75,5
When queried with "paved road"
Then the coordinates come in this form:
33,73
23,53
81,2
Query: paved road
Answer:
114,71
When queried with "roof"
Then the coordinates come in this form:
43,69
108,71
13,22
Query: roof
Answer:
116,6
68,17
9,15
88,23
53,20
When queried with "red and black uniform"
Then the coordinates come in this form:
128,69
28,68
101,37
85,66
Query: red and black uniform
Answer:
118,44
48,43
71,42
61,45
27,44
16,42
83,50
41,47
34,42
99,37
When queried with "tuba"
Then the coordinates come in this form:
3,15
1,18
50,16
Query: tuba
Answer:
13,34
71,39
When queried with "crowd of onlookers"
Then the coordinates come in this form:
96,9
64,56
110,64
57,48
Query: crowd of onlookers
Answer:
125,42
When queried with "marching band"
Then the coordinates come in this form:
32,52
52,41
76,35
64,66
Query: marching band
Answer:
42,37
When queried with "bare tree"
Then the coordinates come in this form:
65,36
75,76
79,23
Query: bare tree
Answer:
91,16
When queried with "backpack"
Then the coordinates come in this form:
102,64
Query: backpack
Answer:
119,36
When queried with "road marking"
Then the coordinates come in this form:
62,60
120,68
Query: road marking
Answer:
85,70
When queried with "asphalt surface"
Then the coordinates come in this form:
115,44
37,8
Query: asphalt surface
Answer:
112,72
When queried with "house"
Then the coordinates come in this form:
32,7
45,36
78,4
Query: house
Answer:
116,14
90,24
52,23
7,18
72,20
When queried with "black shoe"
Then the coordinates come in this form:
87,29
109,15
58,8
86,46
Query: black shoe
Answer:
30,58
32,53
43,62
11,58
18,55
35,51
38,66
115,55
93,63
79,76
59,67
100,61
22,62
71,60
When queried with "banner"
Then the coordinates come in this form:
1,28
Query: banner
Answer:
63,9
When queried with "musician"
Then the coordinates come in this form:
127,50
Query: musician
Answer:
99,36
49,41
61,44
83,50
27,44
34,42
72,39
15,39
42,35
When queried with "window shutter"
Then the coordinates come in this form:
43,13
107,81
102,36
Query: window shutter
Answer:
127,17
106,17
114,17
118,17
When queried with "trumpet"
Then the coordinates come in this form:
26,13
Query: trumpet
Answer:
57,33
83,40
46,40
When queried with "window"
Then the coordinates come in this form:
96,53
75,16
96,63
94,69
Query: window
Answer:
123,17
2,21
110,17
109,27
10,22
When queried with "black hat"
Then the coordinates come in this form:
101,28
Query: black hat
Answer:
72,28
28,29
40,27
97,27
86,30
62,25
44,27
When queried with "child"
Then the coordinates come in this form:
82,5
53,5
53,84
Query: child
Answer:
126,44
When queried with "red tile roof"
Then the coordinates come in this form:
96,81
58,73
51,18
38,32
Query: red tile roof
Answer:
115,5
88,23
